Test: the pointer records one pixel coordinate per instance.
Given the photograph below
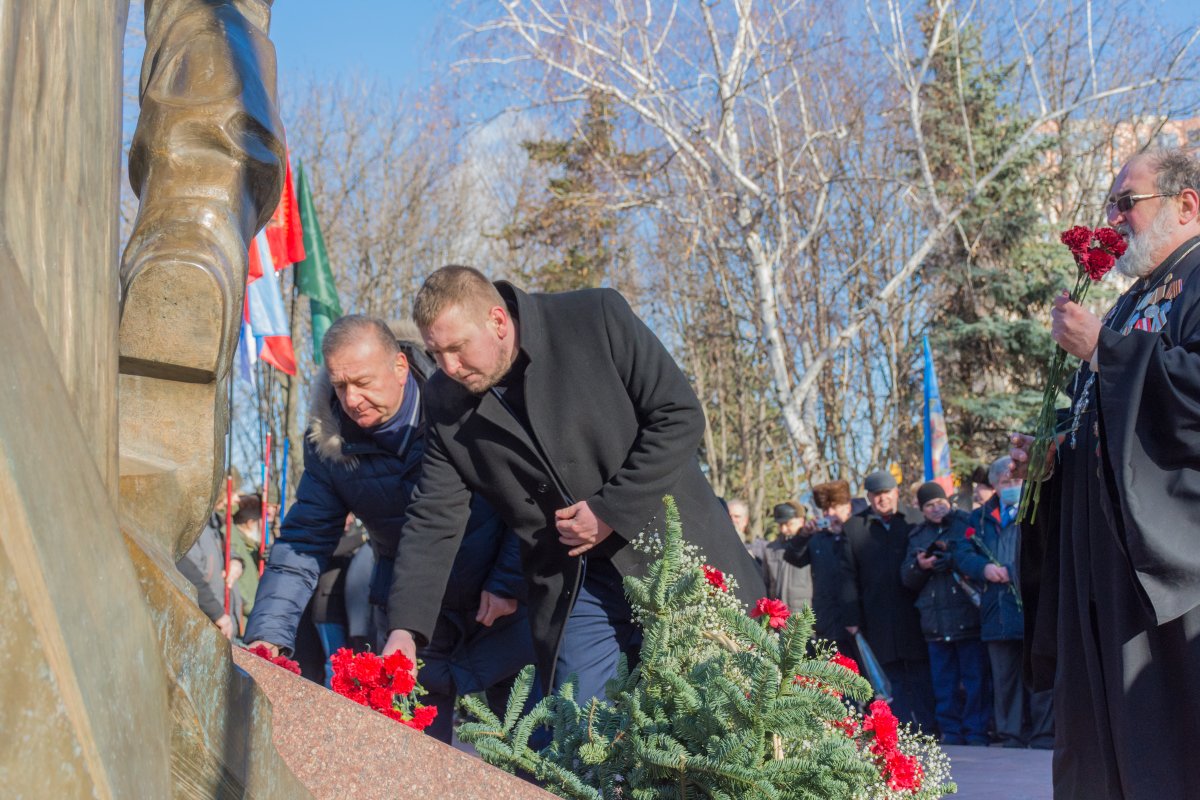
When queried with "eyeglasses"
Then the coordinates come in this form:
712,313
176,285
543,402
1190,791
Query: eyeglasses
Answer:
1125,203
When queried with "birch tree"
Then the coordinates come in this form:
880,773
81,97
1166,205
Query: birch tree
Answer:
791,140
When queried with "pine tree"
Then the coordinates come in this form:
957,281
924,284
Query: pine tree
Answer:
993,280
720,706
573,230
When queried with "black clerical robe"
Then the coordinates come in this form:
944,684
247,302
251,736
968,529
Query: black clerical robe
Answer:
1116,626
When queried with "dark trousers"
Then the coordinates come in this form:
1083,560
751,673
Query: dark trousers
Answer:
599,630
963,718
1022,718
912,693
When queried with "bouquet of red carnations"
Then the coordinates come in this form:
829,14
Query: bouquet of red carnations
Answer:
385,684
279,661
1095,252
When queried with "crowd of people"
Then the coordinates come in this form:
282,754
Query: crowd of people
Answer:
504,454
931,589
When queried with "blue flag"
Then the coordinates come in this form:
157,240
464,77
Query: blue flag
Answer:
937,442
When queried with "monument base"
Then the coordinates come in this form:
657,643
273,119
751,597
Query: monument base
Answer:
339,749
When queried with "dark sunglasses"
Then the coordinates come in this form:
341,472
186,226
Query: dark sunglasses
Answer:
1125,203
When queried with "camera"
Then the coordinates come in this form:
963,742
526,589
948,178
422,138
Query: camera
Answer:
824,524
936,549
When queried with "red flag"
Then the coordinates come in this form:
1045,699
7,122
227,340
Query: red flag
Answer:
277,351
285,238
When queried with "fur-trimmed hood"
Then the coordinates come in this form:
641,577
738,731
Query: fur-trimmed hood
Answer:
325,418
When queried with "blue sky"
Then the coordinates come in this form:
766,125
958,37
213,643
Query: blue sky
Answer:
405,42
381,39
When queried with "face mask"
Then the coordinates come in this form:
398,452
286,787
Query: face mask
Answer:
1010,495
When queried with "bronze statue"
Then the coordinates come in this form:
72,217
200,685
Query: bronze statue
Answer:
114,686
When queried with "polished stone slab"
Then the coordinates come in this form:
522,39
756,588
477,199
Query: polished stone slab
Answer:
339,749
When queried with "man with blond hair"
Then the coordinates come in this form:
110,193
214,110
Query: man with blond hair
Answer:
569,416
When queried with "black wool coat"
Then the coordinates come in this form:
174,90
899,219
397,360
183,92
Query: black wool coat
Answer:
886,607
834,598
614,422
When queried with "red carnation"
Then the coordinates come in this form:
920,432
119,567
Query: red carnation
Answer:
1112,241
883,723
423,717
1076,239
280,661
367,669
403,682
381,699
341,659
904,772
1098,263
715,577
396,663
357,694
969,533
342,684
776,612
845,661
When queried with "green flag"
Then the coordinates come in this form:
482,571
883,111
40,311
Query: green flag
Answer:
313,275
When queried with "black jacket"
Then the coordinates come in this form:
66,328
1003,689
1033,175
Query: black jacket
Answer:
947,612
887,610
620,428
833,594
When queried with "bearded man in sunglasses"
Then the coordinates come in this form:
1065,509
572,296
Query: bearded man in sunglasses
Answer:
1112,563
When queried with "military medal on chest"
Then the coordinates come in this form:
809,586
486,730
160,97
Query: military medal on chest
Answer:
1150,313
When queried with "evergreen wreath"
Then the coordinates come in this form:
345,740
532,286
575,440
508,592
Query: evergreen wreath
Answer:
720,706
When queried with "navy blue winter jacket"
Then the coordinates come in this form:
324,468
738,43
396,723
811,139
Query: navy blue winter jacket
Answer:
985,538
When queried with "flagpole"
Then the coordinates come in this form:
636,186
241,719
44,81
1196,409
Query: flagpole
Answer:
228,496
927,422
293,388
228,528
283,476
266,493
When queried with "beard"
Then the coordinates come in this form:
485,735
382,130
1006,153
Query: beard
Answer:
480,383
1139,259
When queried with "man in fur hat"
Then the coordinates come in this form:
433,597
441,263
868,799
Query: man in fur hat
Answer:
824,551
362,455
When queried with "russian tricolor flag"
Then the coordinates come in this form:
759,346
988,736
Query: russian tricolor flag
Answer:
264,320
